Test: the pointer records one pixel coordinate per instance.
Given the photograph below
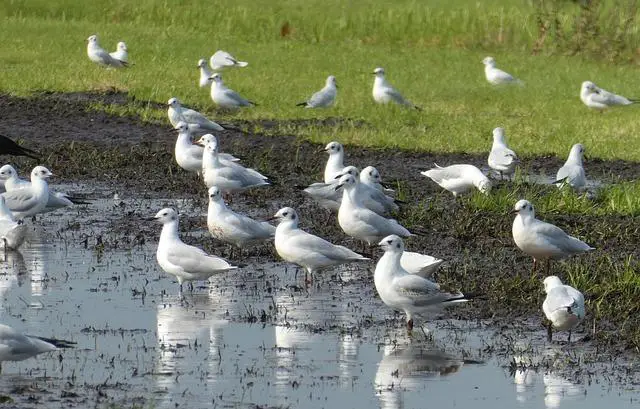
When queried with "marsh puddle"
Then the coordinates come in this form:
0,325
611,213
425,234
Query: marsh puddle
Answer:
258,338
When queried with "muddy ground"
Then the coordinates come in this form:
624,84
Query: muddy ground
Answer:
82,145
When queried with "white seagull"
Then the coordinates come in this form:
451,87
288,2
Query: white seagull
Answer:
98,55
228,176
501,158
205,73
572,172
15,346
541,240
12,233
307,250
189,154
335,163
231,227
371,177
372,198
459,179
563,306
187,263
496,76
326,194
361,223
599,99
324,98
225,97
404,291
121,53
31,200
222,59
383,92
196,121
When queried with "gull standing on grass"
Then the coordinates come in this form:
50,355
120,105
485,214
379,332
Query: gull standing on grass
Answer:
231,227
121,53
572,172
563,306
15,346
196,121
326,194
459,179
496,76
229,177
98,55
205,73
335,162
541,240
501,158
222,59
361,223
383,92
407,292
185,262
324,98
307,250
12,233
599,99
225,97
31,200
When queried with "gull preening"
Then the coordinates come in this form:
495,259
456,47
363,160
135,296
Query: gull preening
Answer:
12,233
459,179
305,249
205,73
541,240
121,53
335,162
15,346
30,200
599,99
360,222
196,121
225,97
496,76
572,172
501,158
228,176
563,306
231,227
404,291
222,59
326,194
98,55
324,98
383,92
185,262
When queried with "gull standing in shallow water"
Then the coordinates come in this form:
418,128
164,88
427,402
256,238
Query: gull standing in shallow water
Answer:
222,59
383,92
12,233
307,250
225,97
501,158
185,262
407,292
226,225
541,240
496,76
15,346
31,200
324,98
205,73
98,55
572,172
599,99
459,178
563,306
196,121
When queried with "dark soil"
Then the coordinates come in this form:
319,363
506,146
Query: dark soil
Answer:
81,145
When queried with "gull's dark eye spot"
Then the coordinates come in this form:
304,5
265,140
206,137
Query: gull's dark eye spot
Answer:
293,217
371,173
398,245
389,241
285,214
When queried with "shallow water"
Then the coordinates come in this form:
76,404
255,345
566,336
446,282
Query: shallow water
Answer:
258,338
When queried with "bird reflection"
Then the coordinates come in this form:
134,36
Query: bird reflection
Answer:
557,388
406,368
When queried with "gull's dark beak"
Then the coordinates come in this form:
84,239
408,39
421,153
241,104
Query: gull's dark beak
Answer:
338,187
321,150
149,219
514,211
339,176
270,219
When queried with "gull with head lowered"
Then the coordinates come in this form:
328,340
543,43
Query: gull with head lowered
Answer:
563,306
572,172
599,99
459,179
222,59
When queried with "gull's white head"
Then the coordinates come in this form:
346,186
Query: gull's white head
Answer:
347,182
498,135
484,185
7,172
41,172
182,127
392,244
588,86
207,139
333,148
174,103
93,39
348,170
122,46
489,61
370,175
214,194
523,208
212,146
331,81
286,214
379,72
577,152
216,78
166,215
551,282
202,63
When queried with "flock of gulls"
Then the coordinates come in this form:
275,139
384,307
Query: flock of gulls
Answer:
362,202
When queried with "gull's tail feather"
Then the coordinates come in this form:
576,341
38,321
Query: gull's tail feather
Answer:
58,343
78,200
462,297
418,231
242,63
302,104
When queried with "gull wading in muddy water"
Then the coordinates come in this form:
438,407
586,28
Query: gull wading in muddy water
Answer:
563,306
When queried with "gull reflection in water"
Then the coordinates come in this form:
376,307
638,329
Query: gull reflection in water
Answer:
12,272
406,368
557,389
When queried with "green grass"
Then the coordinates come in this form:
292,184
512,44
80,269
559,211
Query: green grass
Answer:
432,52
